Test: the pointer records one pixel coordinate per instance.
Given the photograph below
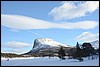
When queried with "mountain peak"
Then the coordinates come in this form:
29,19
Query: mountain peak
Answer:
46,43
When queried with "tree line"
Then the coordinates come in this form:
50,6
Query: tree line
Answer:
10,55
80,51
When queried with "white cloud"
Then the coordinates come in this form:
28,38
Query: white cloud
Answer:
16,45
23,22
14,30
16,51
69,10
87,37
81,25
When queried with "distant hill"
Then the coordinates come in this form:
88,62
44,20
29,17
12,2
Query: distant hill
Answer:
10,55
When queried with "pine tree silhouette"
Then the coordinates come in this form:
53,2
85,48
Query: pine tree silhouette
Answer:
61,53
79,52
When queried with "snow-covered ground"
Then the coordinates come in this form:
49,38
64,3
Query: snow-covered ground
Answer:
45,61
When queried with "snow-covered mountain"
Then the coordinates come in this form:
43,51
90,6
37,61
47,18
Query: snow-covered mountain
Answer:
95,44
46,43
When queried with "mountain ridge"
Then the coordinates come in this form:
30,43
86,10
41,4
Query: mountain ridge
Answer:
46,44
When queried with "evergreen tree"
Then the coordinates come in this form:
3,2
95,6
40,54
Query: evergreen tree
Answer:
61,53
78,53
87,49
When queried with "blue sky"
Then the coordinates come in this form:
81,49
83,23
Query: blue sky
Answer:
64,22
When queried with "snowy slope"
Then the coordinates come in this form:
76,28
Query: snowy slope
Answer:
46,43
95,44
45,61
